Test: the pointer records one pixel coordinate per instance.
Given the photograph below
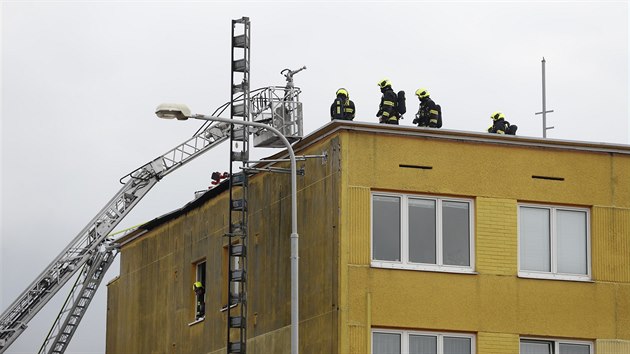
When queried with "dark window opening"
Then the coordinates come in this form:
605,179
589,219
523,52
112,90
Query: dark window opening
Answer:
199,289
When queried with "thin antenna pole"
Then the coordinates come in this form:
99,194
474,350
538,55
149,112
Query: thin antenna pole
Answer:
544,102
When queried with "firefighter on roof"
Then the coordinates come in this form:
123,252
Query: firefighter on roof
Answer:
387,109
342,107
500,125
428,113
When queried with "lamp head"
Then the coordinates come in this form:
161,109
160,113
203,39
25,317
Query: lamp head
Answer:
172,110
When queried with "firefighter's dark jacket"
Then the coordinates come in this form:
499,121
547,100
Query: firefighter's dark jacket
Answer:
387,109
427,115
501,126
342,108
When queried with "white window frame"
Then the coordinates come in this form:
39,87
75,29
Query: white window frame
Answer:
556,343
553,274
404,263
404,338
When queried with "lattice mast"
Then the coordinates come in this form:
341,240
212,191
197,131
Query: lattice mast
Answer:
239,155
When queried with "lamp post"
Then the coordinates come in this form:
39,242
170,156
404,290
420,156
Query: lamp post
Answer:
181,112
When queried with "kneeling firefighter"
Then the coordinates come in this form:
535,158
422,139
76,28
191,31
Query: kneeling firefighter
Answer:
500,125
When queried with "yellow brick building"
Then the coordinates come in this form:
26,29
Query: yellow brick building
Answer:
412,240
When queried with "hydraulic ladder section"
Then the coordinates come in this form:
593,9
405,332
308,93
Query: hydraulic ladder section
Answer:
77,302
239,152
92,248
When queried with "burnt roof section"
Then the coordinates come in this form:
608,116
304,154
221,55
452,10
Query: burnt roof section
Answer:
195,203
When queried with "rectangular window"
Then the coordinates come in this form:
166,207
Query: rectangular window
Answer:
554,242
386,216
397,342
536,346
199,289
421,232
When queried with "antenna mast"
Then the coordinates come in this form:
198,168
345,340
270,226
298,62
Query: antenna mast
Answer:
544,103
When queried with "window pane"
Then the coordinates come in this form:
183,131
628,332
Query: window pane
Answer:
386,343
534,238
574,348
386,228
454,345
422,344
455,233
422,231
571,230
536,347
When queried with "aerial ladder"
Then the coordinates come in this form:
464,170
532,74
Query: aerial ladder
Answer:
92,252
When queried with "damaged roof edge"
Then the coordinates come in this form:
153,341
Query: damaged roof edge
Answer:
209,194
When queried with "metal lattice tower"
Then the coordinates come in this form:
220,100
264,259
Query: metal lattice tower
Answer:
239,153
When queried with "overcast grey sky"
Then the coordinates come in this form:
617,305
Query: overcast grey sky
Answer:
80,81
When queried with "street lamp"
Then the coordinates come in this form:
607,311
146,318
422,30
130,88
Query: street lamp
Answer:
181,112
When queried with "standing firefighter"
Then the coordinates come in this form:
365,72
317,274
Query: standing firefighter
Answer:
429,114
388,108
201,302
500,125
342,107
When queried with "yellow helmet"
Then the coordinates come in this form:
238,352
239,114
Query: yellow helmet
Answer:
197,285
384,83
342,91
497,115
422,93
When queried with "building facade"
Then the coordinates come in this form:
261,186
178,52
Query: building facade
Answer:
412,240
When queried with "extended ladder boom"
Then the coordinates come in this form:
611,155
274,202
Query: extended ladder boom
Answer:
93,238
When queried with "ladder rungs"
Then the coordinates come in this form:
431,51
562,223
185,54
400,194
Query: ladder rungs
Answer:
235,299
238,133
238,88
239,205
240,65
237,250
239,110
240,156
237,276
238,179
238,227
237,322
240,41
236,347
